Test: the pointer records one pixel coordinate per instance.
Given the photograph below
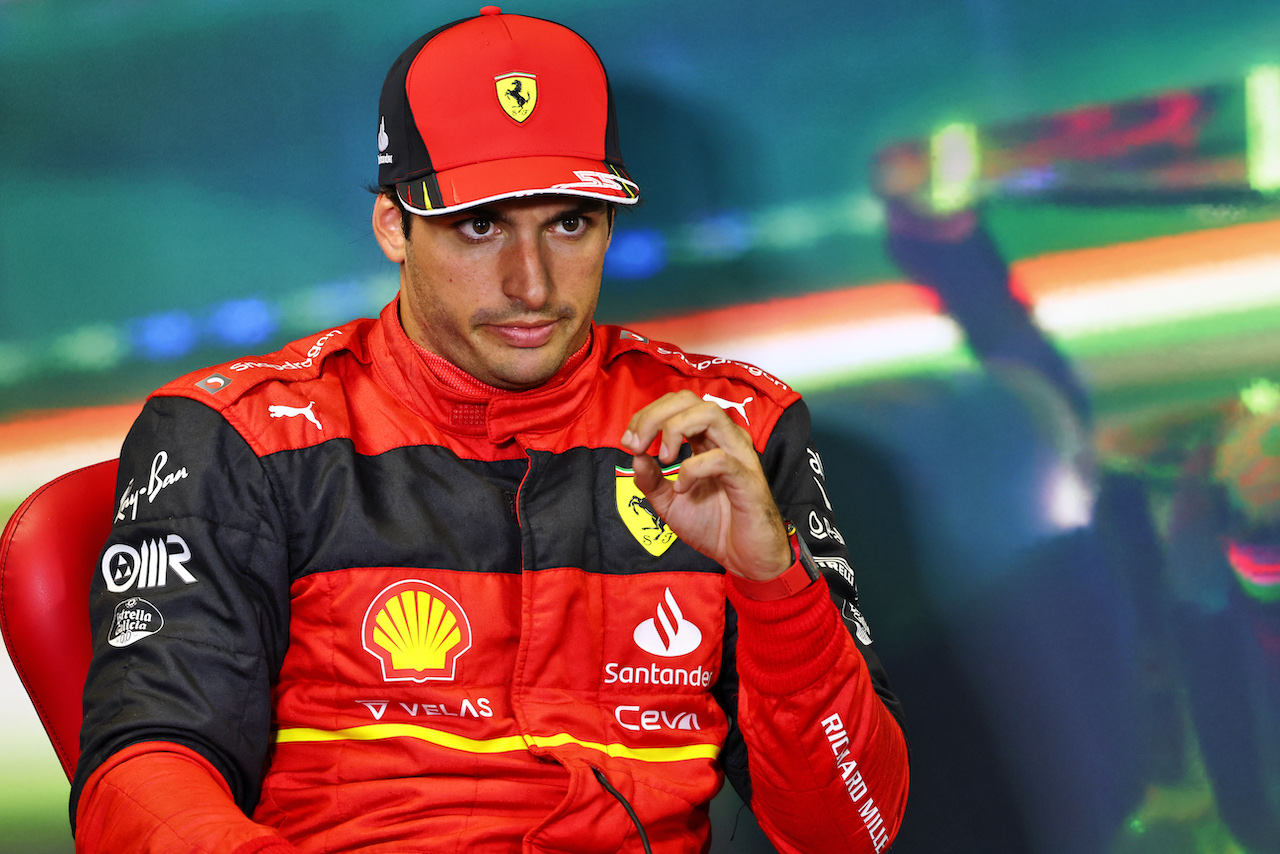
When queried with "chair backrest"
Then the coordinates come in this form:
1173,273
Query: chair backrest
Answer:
48,553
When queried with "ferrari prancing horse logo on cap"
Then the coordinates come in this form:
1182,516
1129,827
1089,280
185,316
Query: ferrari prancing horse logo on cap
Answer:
517,94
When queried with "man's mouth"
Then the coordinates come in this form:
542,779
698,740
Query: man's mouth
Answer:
524,335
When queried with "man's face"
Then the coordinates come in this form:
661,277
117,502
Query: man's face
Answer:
506,291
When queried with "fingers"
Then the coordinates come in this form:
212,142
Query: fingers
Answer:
681,417
723,454
720,503
648,474
715,464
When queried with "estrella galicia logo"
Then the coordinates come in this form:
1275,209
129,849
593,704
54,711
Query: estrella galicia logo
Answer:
149,565
135,619
667,633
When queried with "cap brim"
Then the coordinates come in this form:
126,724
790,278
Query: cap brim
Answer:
478,183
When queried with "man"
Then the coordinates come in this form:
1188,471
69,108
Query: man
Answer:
455,578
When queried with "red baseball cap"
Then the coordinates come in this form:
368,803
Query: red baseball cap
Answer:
498,107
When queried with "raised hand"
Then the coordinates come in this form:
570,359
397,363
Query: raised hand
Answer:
720,503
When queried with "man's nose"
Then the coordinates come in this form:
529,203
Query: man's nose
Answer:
527,271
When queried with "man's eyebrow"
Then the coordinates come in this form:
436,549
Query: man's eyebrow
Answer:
579,208
479,212
585,206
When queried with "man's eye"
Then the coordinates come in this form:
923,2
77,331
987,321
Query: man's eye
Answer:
572,224
476,227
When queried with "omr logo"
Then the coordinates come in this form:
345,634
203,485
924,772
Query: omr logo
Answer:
149,565
668,633
416,631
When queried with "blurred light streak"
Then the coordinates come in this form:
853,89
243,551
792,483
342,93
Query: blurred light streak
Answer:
166,335
333,303
1068,498
1113,305
15,363
789,227
1260,397
722,237
846,351
39,446
1258,568
243,322
635,254
1262,108
97,347
1178,294
1198,285
956,163
796,313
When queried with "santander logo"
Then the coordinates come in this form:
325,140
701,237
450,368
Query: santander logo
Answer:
668,633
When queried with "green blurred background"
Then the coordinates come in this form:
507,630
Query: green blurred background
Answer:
184,181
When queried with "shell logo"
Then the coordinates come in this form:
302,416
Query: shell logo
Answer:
416,631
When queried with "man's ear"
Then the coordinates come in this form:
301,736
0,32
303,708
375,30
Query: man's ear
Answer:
387,228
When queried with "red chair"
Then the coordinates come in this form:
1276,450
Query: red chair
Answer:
48,553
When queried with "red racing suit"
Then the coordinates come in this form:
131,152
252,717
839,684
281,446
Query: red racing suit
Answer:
385,615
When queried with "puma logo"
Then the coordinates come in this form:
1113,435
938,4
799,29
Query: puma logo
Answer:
279,411
729,404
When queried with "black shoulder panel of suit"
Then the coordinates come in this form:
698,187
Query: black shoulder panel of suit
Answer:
189,604
796,472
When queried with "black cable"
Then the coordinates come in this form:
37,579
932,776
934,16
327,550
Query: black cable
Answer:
644,838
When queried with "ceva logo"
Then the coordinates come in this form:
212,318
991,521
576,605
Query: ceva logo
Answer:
667,633
416,631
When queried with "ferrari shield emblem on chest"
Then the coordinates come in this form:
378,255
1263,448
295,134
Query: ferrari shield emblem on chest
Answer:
638,514
517,94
